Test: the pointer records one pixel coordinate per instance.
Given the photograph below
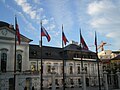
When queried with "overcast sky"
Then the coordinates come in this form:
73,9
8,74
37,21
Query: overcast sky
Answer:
102,16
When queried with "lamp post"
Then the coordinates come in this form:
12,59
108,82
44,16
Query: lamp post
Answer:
84,79
53,78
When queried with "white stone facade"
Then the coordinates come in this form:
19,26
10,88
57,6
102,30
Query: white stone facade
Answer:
30,68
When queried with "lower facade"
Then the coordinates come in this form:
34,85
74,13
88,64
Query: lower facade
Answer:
31,80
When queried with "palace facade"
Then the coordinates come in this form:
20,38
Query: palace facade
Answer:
28,63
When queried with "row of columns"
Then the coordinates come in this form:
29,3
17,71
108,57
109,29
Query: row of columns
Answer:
83,80
105,78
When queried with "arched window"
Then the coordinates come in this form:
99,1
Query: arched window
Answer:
78,70
71,69
49,67
3,62
19,62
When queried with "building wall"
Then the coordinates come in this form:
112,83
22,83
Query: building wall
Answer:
7,45
29,75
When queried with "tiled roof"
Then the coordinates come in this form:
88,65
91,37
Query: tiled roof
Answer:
3,24
116,58
55,53
47,52
75,48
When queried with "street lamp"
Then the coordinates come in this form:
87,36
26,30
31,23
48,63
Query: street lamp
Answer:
53,73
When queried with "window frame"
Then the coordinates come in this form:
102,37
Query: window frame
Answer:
5,59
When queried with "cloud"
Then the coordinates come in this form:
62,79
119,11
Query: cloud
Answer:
61,12
105,18
36,1
45,21
29,26
51,27
27,8
98,7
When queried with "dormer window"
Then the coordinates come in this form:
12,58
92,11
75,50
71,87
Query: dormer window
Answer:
48,54
75,55
34,53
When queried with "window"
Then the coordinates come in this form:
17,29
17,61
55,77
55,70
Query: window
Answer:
75,55
56,82
78,69
28,83
48,53
86,69
85,65
3,62
71,81
11,83
71,70
33,66
79,81
56,67
49,69
19,62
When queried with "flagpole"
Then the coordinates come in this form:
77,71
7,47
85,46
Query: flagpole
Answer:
81,52
97,61
63,63
41,62
15,56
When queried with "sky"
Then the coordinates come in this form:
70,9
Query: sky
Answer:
102,16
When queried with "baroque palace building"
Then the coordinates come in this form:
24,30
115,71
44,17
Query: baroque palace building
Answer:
28,63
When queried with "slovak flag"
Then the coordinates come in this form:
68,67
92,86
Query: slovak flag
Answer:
95,39
17,31
45,33
64,37
82,41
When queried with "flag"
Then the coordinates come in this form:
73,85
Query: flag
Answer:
82,41
45,33
64,39
17,31
96,41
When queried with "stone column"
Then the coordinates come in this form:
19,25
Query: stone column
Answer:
112,81
118,74
105,79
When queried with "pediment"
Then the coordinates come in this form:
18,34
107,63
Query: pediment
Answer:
9,34
6,33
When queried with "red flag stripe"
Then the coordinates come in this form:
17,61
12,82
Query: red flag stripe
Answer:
17,31
64,38
82,41
45,33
